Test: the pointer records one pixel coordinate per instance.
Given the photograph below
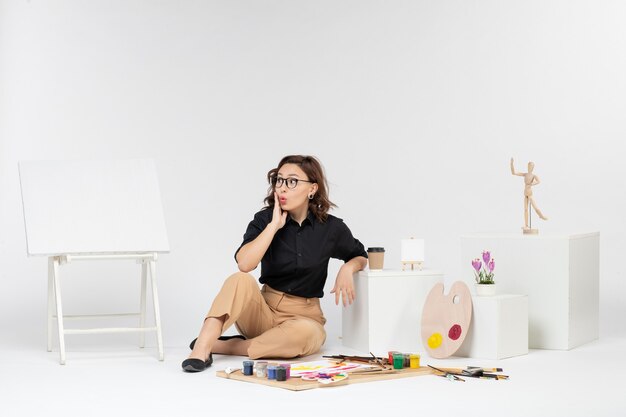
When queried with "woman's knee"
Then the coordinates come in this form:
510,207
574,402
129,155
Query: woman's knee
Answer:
241,278
291,339
306,336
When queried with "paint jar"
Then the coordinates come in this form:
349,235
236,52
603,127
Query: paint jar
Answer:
398,360
281,373
391,353
248,367
271,371
415,361
261,369
287,367
407,360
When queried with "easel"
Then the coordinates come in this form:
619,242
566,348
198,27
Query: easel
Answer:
95,211
412,263
148,269
412,253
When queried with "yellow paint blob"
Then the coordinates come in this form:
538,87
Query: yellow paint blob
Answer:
434,341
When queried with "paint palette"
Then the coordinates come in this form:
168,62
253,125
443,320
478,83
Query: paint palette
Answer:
446,319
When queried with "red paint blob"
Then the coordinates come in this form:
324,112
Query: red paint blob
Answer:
454,332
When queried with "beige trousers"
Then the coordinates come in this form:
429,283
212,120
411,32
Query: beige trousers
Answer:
279,325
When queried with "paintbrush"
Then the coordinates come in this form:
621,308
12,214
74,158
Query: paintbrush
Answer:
474,373
376,371
378,361
493,376
464,372
342,358
485,369
473,370
447,374
373,360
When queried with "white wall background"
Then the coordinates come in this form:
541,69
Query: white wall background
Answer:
414,107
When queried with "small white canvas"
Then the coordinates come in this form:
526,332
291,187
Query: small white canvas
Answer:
100,206
412,250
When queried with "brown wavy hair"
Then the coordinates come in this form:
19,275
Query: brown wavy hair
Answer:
320,204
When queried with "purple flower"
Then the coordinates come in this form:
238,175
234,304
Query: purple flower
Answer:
491,265
486,256
477,264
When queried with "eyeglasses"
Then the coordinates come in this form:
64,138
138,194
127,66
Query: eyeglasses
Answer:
291,183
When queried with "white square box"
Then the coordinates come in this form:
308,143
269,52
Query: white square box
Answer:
499,328
559,273
387,312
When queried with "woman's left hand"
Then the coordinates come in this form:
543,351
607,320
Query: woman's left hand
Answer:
344,287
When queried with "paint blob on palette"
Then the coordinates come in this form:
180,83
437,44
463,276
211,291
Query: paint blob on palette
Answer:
446,319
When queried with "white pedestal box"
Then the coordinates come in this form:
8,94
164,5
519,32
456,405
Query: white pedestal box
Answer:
387,312
560,275
499,328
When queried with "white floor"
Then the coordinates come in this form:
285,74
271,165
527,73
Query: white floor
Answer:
113,380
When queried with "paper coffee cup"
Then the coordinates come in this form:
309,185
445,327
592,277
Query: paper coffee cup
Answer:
376,258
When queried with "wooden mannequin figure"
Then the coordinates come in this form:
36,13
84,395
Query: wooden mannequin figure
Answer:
530,180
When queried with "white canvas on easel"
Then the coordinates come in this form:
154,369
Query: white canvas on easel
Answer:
93,210
92,207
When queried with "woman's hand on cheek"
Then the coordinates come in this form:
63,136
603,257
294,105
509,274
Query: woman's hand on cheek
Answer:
279,217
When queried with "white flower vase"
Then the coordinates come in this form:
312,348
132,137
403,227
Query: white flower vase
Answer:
485,290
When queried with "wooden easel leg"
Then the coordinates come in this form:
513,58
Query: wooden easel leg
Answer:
59,308
157,312
142,303
50,302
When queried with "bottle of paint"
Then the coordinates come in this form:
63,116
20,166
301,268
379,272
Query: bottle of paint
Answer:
407,360
390,353
248,367
281,373
271,371
287,367
398,360
415,361
261,369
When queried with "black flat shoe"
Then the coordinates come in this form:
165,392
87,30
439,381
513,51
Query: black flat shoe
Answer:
197,365
235,336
